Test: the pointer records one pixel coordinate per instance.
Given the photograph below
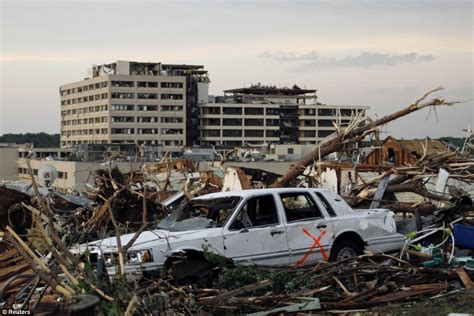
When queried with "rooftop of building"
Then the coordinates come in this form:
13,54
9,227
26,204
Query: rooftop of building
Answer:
259,89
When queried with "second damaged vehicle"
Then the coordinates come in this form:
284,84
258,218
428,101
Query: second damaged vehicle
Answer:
289,226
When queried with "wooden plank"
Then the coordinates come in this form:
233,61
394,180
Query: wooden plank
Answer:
8,254
5,273
466,280
251,287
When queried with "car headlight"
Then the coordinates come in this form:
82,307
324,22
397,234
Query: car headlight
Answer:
139,256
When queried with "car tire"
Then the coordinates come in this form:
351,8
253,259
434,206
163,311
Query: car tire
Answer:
345,249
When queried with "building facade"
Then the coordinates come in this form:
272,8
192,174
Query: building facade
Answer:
271,115
134,103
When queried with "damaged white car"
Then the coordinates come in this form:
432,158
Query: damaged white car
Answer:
288,226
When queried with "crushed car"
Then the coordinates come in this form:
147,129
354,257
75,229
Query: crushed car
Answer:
284,226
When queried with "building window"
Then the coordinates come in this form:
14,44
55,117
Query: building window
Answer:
253,111
147,131
123,84
147,119
171,120
121,107
231,133
253,133
173,85
147,84
272,111
326,112
123,131
171,96
232,122
253,122
291,151
174,108
167,131
212,133
147,96
122,119
121,95
232,111
142,107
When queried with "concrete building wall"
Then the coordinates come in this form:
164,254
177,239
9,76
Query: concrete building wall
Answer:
125,108
72,175
237,124
8,166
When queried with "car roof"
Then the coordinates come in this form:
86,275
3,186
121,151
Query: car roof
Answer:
252,192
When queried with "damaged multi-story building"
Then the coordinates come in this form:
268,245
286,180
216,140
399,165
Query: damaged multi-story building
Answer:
268,114
141,103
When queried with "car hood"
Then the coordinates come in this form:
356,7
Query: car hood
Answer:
146,239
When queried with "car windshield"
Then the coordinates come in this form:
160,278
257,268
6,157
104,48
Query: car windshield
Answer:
200,214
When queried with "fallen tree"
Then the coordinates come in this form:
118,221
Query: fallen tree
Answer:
357,130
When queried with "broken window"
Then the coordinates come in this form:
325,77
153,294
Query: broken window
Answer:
147,119
200,214
391,157
213,110
124,84
147,131
272,133
253,111
326,204
171,120
272,111
121,107
326,112
299,206
309,133
171,131
171,96
142,107
175,108
147,84
232,111
122,119
147,96
121,95
256,212
212,133
253,133
123,131
253,122
232,133
232,122
172,85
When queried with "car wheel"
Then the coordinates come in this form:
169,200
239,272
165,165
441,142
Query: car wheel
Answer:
345,249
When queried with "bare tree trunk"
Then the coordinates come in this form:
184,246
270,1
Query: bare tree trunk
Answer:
337,143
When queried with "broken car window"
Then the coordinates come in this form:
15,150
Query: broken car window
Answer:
200,214
299,206
257,211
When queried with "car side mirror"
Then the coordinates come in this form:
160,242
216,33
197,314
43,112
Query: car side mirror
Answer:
244,230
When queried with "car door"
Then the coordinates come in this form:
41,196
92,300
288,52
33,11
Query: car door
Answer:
256,234
309,233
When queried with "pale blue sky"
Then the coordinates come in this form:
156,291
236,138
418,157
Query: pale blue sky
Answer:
380,53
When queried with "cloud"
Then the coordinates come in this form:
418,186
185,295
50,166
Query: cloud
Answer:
312,59
283,57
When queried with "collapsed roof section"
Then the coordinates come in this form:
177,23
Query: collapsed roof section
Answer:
122,67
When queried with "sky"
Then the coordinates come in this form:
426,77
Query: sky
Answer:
384,54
